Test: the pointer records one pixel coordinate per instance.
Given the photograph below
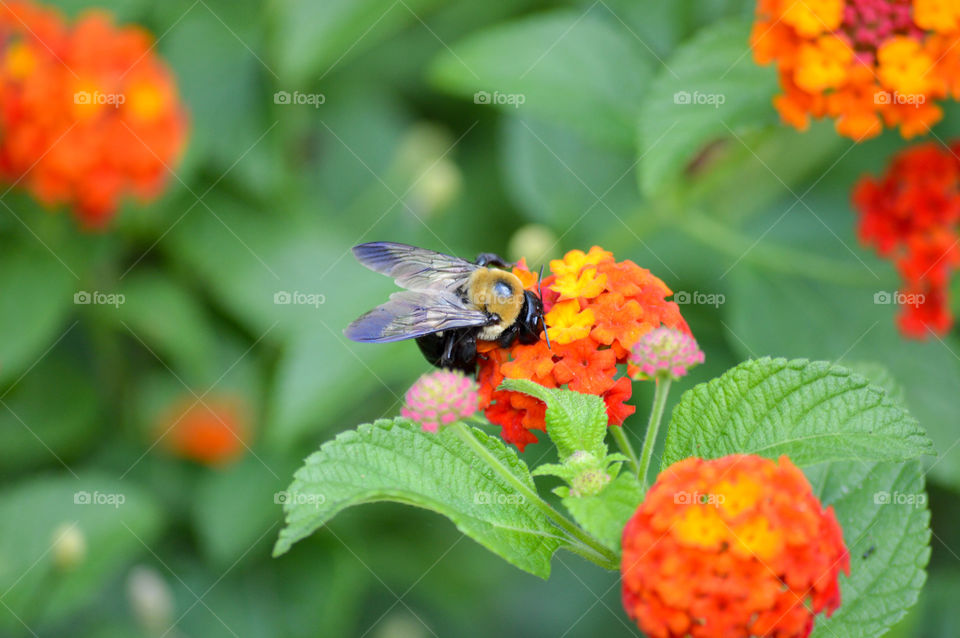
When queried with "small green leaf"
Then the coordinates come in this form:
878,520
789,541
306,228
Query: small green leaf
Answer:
396,461
709,86
575,421
811,411
573,69
605,514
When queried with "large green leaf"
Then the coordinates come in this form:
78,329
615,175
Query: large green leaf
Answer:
799,317
708,87
811,411
396,461
882,508
574,69
859,450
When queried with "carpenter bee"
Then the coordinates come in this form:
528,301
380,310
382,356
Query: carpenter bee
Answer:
448,305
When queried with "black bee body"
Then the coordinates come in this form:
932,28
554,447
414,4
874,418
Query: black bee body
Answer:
449,304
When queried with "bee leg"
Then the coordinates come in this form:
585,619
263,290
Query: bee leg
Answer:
508,336
491,259
460,351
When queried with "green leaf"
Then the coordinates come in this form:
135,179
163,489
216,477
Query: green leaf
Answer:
51,415
811,411
314,37
228,527
37,296
557,177
882,508
396,461
708,87
574,69
826,321
857,447
169,320
119,523
575,421
604,515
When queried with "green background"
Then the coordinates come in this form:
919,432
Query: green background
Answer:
747,216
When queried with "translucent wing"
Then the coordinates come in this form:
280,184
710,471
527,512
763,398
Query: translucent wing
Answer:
415,268
414,313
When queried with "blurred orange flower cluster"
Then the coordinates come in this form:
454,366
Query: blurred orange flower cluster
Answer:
596,309
212,433
867,63
88,113
911,216
737,546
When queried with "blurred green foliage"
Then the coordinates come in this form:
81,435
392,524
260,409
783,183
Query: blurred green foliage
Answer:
728,207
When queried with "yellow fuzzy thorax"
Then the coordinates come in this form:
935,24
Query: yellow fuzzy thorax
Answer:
496,291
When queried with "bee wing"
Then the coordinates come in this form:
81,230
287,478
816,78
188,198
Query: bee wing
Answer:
415,268
414,313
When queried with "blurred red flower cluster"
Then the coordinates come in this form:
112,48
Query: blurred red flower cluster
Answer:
911,215
595,309
88,113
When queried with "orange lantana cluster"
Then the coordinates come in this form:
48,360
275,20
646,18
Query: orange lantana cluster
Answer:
88,113
867,63
596,309
214,432
737,546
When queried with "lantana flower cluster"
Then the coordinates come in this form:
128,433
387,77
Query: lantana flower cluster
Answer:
910,215
214,432
88,112
737,546
866,63
596,309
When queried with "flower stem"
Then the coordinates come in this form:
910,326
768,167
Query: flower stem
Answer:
581,542
653,427
620,436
